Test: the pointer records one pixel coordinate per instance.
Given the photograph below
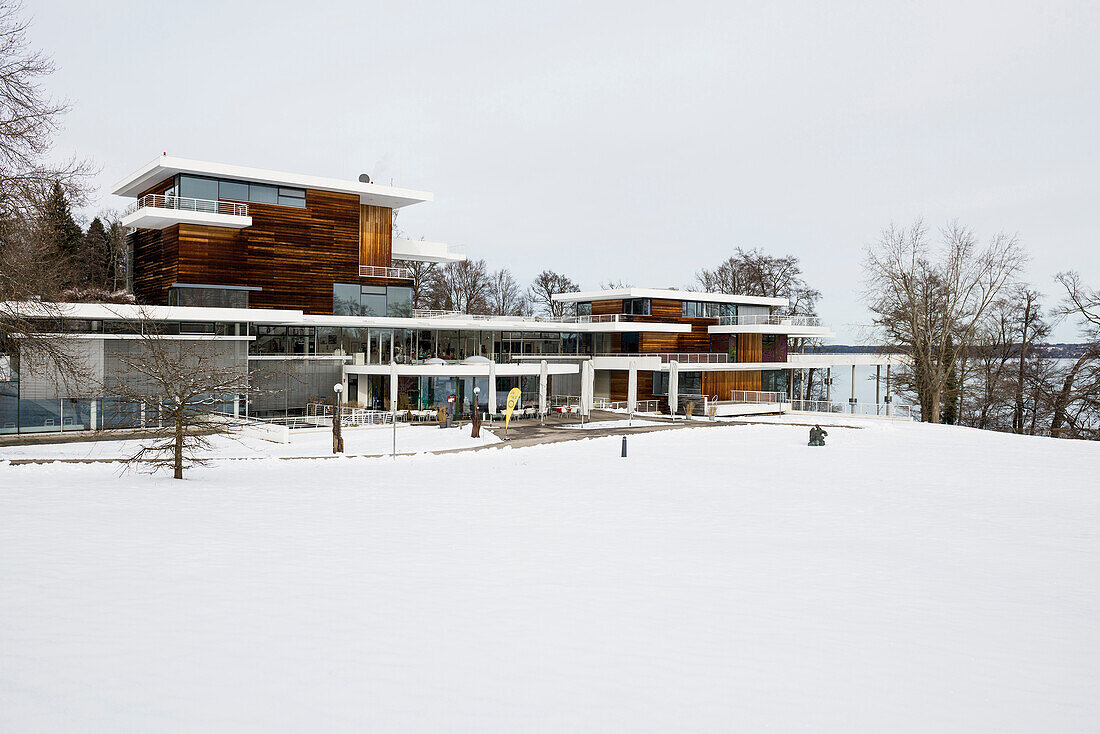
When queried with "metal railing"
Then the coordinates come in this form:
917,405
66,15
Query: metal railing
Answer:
377,271
681,357
882,410
769,320
600,318
185,203
756,396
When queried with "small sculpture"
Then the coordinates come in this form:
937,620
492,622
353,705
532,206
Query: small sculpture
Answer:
817,436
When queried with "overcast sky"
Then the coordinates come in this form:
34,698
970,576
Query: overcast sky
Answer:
634,140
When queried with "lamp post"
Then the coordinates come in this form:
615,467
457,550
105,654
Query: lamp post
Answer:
337,439
475,431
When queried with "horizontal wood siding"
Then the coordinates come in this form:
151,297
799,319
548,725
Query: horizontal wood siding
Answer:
606,307
293,254
375,235
155,256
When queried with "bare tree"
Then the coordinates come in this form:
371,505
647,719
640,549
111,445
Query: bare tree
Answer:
612,285
179,390
464,287
29,273
929,303
544,287
506,296
756,273
424,281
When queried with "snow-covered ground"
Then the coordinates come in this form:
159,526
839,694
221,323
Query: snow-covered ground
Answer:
375,440
624,423
904,578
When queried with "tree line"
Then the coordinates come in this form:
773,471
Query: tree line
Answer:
975,332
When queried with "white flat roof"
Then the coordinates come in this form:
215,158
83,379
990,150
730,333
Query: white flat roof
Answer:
670,294
289,317
164,166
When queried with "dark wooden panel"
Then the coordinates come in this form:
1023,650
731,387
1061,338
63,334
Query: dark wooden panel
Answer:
606,307
619,381
750,348
375,235
155,257
720,384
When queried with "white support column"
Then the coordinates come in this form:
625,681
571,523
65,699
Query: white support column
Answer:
878,376
492,388
673,387
852,400
543,380
93,414
632,388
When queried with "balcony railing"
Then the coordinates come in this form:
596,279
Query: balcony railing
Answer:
600,318
769,320
377,271
681,357
185,203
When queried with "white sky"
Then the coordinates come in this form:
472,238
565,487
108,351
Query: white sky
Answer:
628,140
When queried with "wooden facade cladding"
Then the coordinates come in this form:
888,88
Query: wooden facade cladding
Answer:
293,254
375,236
606,307
719,384
156,257
750,348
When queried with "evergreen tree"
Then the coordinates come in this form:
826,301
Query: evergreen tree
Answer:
94,260
59,233
949,409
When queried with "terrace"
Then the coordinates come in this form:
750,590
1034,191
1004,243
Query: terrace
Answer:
158,211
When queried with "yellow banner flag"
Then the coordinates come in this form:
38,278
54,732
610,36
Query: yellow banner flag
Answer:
513,400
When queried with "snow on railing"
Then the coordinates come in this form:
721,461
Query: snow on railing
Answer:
186,203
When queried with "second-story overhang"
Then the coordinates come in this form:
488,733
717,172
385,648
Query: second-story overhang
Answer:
668,294
161,217
166,166
491,323
801,331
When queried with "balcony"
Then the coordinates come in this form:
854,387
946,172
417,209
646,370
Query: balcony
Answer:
158,211
377,271
796,326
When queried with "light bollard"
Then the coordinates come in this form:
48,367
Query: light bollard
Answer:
624,447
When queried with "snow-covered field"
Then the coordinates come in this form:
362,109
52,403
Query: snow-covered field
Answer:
375,440
904,578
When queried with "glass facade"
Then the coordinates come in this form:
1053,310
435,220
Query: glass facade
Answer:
707,310
202,187
352,299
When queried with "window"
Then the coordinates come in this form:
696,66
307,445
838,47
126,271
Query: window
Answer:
689,309
233,190
261,194
584,309
193,187
636,306
372,300
399,301
660,383
727,310
345,299
292,197
629,343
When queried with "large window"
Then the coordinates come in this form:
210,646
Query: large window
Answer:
707,309
399,301
629,343
200,187
351,299
636,306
